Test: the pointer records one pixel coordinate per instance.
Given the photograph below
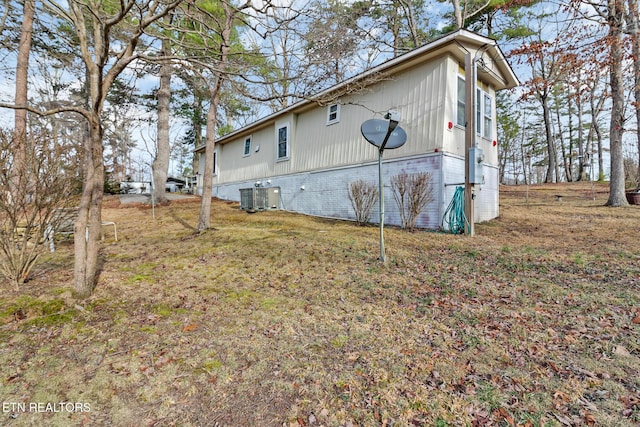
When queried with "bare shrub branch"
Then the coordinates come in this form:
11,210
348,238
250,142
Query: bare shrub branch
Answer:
412,193
29,196
363,195
400,187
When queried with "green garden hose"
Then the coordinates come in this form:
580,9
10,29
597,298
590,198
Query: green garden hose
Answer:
454,219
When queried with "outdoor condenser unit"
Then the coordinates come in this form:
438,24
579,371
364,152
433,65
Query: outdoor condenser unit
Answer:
259,198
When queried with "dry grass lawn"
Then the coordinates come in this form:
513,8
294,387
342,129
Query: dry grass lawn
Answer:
277,319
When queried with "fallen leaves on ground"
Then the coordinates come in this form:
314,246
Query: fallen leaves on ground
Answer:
279,319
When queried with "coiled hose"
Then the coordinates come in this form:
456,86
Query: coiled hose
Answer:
454,220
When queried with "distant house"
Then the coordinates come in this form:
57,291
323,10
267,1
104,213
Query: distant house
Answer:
312,151
135,187
174,185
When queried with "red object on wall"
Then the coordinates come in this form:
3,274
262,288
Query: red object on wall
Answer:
450,125
495,143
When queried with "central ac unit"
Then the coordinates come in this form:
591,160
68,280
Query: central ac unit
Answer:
259,198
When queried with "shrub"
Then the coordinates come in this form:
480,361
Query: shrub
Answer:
363,195
34,183
412,193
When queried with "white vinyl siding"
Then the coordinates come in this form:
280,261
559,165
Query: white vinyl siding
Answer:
419,93
303,142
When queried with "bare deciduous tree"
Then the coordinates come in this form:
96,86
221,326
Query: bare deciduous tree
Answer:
611,16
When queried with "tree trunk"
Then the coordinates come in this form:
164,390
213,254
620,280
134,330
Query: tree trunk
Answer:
526,172
551,145
596,108
635,51
89,222
408,8
457,13
204,219
566,156
583,155
525,158
22,67
601,176
22,74
395,30
616,130
503,158
160,165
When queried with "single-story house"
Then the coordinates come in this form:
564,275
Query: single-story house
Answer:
174,185
312,150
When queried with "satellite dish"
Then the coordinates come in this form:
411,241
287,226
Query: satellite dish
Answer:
486,63
375,131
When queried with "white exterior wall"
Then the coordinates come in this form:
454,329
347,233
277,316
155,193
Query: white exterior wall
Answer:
420,94
325,192
234,166
487,194
426,97
454,139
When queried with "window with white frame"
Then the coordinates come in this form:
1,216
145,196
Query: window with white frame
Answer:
478,111
247,146
282,140
462,99
484,110
487,111
333,114
215,162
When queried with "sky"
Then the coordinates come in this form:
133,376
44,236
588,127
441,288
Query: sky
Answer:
147,83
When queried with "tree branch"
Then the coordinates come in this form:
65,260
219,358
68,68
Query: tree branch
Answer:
68,109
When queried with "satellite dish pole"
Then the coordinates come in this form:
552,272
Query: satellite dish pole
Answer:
393,117
383,135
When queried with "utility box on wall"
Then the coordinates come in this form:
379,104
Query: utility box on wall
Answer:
259,198
476,172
